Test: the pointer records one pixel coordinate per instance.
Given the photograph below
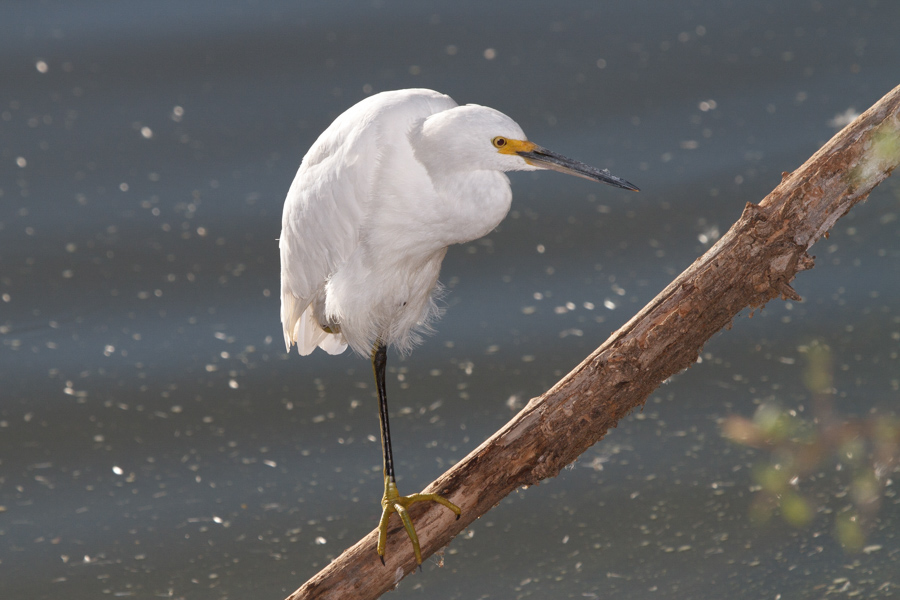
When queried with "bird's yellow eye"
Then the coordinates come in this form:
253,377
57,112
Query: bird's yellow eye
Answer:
499,142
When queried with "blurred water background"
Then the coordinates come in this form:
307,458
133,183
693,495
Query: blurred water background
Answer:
157,441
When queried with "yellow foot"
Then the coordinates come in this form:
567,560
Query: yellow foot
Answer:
393,502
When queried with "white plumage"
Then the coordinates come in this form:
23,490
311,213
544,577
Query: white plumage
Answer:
377,200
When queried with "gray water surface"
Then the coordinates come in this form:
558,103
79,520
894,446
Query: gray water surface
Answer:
157,441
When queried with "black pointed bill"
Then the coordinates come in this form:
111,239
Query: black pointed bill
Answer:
542,158
547,159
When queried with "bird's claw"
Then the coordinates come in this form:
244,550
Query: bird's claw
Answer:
393,502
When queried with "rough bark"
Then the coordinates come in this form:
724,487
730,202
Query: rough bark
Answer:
754,262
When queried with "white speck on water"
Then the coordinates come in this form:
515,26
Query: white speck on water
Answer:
572,331
843,119
708,236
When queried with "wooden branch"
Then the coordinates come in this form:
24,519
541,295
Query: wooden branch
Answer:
754,262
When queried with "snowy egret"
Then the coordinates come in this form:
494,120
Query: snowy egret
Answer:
379,197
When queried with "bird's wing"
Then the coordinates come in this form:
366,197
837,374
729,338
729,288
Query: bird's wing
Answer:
320,229
327,204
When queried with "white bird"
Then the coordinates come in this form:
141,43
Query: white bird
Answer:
378,198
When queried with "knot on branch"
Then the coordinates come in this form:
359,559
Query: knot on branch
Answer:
775,256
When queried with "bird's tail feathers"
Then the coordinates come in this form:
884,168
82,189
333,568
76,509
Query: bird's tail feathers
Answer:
301,328
291,312
332,343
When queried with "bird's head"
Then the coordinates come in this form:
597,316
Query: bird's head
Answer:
473,137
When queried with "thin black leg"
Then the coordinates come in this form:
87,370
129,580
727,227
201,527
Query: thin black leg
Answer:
379,361
392,501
